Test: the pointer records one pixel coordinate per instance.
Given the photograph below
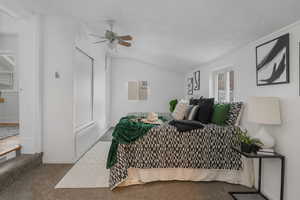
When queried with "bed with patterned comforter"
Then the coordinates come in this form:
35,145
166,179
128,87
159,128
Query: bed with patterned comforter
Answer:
163,147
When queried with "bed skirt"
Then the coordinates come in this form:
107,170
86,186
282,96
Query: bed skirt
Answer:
141,176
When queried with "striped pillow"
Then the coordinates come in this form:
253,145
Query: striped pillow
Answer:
193,113
235,113
180,110
190,107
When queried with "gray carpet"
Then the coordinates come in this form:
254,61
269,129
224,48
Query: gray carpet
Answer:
39,183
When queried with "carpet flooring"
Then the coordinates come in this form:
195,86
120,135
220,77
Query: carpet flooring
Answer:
39,184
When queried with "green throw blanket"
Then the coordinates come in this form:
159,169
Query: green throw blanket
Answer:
128,130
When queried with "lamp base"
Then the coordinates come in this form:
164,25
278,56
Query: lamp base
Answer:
267,140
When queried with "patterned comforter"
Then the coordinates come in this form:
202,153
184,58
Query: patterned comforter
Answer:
164,147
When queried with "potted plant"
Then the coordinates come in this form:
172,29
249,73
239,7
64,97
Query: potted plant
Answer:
248,144
173,104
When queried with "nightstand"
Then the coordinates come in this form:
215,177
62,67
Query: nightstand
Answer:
257,194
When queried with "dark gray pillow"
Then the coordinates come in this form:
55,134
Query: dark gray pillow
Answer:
193,113
186,125
195,102
205,110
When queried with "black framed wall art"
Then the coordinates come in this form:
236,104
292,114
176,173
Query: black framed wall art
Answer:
190,86
272,62
196,75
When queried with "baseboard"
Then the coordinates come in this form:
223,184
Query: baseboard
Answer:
103,132
46,160
85,139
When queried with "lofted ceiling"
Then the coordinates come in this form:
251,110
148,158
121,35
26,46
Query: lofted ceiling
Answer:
178,34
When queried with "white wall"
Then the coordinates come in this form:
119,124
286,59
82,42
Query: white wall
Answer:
8,25
59,43
108,94
62,142
163,86
46,45
287,135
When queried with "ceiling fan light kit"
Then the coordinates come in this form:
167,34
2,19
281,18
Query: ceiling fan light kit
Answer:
112,38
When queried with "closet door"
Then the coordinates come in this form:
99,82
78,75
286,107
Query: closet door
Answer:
83,83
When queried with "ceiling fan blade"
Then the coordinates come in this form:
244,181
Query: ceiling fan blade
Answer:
123,43
94,35
125,37
100,41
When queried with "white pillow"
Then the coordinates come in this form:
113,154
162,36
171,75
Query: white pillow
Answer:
180,110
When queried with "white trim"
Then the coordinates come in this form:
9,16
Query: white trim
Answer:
38,85
81,127
96,142
10,92
103,132
85,126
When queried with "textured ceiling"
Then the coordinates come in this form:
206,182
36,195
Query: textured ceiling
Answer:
179,34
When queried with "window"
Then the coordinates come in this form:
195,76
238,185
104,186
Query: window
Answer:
224,85
84,88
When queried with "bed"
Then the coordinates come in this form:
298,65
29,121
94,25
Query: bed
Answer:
165,154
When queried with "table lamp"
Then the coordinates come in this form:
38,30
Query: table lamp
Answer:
264,111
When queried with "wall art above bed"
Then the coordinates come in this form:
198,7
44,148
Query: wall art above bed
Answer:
138,90
272,62
190,86
196,80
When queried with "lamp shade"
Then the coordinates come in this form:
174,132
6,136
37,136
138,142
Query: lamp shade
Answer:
264,110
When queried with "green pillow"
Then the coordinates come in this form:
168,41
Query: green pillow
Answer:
220,114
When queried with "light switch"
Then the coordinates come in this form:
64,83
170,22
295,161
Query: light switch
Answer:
57,75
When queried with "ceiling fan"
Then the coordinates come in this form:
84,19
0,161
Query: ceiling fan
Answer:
113,38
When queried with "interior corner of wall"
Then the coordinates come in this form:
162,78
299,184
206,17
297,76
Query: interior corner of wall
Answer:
28,145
